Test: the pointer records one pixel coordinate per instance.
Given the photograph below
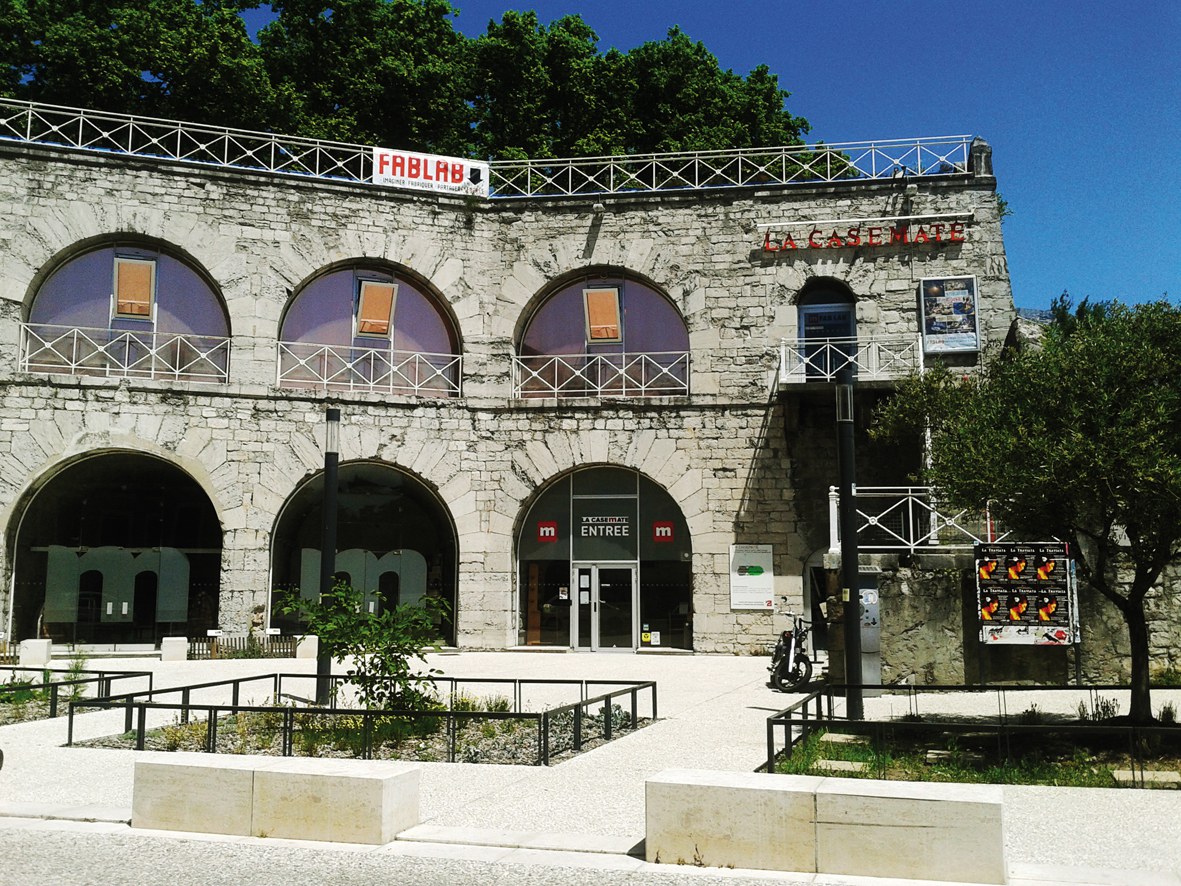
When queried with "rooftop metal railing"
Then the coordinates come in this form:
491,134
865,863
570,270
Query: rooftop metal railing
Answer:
122,353
197,143
877,358
910,518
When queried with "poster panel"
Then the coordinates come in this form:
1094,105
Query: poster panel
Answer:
948,307
430,172
1026,594
752,577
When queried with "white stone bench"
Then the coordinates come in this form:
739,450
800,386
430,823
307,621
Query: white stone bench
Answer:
297,798
809,824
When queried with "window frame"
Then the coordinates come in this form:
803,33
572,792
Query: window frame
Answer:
149,315
358,318
589,315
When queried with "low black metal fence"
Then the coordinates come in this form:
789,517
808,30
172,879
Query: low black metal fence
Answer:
596,715
51,685
1007,734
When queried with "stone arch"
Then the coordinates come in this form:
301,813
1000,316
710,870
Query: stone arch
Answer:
119,512
594,520
390,521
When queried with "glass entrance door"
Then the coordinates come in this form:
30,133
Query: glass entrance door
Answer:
604,612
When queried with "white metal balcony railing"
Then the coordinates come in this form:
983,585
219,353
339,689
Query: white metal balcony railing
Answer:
658,374
118,353
182,142
910,518
879,358
368,370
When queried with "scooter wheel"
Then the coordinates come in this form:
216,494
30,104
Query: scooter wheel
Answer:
788,679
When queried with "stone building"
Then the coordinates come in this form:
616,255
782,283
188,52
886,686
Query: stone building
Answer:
562,408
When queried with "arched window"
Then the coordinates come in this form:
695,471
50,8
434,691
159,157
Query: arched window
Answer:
603,336
367,328
128,310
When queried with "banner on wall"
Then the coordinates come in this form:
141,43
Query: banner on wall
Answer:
752,577
1026,594
430,172
948,308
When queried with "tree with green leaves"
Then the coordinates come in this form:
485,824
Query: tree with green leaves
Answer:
179,59
1079,439
380,649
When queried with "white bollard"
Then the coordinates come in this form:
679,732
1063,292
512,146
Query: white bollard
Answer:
36,653
307,646
174,649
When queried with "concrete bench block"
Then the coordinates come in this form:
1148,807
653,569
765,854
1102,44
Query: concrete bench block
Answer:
174,649
182,792
909,830
345,801
307,646
341,801
35,653
739,819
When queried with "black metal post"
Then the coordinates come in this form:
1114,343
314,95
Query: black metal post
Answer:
328,542
850,592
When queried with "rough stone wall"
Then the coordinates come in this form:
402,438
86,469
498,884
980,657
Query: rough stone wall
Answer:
721,453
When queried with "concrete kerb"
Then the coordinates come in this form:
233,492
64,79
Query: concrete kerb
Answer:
713,711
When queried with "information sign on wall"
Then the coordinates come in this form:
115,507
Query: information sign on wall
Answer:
752,577
1026,594
948,306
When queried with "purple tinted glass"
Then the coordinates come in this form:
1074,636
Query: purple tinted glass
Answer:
651,323
78,294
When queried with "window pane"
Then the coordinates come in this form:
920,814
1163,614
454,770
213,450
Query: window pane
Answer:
376,309
133,287
602,314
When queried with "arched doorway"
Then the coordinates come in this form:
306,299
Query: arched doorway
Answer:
605,562
118,547
395,542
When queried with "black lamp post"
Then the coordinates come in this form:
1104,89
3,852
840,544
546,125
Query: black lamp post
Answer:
328,541
850,592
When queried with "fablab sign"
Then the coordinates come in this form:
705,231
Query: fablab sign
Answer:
429,172
864,235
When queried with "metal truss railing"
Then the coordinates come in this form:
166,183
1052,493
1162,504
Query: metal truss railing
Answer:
660,374
879,358
910,518
172,140
368,370
120,353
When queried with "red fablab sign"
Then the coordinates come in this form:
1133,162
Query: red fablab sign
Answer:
874,235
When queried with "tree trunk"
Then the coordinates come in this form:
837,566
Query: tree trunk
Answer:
1141,710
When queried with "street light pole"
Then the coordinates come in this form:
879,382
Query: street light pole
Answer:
850,592
328,541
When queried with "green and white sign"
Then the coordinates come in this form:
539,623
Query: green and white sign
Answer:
752,577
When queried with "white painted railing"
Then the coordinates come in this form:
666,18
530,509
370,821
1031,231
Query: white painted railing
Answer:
879,358
120,353
177,141
660,374
910,518
372,370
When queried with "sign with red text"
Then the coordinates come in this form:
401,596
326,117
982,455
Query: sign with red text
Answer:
948,308
845,236
429,172
1026,594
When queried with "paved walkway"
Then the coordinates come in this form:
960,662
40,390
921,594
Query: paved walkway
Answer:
63,811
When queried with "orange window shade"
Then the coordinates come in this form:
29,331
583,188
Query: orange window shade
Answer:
376,309
602,314
133,287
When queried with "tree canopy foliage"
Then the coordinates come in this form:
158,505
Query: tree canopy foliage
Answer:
1078,439
389,72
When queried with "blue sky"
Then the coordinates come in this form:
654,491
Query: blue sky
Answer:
1080,99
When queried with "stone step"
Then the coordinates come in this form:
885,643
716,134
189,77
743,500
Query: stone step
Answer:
843,738
840,766
1128,778
935,755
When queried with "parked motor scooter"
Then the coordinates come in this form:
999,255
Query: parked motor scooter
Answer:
791,667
